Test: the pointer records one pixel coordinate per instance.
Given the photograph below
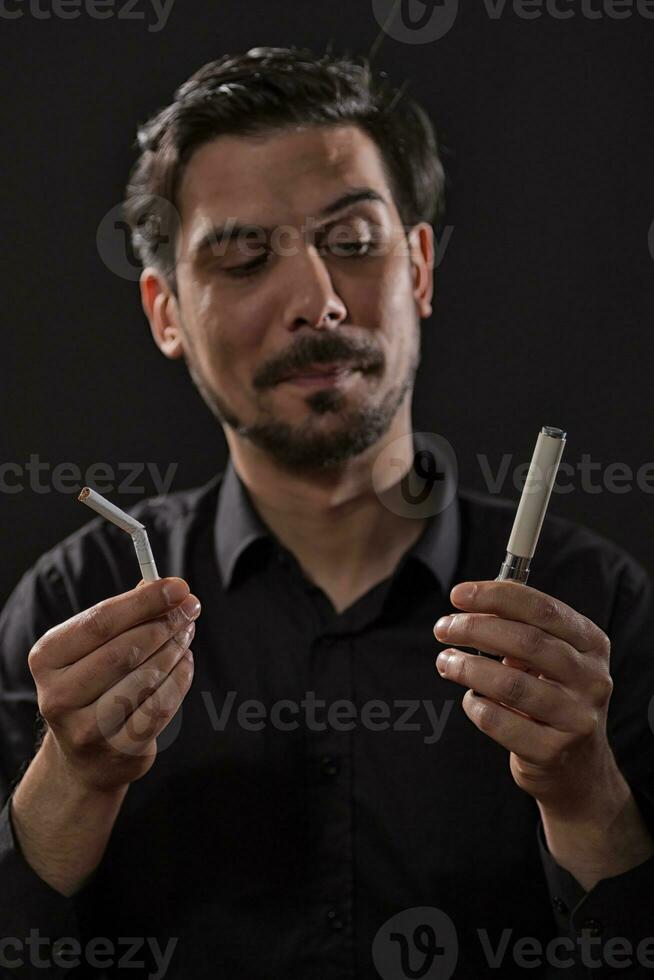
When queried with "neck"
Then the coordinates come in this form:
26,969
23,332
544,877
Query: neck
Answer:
345,539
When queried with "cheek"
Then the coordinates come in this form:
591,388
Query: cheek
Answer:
388,301
228,330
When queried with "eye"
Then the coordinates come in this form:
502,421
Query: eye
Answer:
351,249
247,268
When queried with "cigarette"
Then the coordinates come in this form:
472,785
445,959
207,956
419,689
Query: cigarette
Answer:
134,528
531,511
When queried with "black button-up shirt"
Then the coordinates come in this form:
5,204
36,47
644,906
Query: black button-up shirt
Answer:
321,807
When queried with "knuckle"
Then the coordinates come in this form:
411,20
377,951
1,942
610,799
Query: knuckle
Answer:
602,687
458,668
486,716
513,687
604,644
122,657
463,624
97,621
51,706
84,736
163,706
549,609
184,636
133,656
175,620
158,633
589,725
531,640
35,657
149,681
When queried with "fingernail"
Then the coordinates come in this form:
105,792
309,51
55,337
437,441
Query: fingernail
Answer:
190,607
464,592
175,590
442,660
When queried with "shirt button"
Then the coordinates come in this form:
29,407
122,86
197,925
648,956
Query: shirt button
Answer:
593,926
559,904
335,920
329,766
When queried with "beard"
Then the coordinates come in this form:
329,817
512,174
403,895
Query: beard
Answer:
302,448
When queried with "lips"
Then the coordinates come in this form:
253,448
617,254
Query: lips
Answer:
319,371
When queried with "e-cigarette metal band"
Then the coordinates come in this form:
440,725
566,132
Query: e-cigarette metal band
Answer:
514,567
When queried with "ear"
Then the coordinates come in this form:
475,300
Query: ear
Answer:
421,245
162,310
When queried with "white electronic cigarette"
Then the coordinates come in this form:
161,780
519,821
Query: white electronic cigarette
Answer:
531,509
134,528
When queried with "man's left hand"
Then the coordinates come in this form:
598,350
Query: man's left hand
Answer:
546,701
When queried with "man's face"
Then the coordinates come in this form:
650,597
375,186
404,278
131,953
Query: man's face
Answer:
319,279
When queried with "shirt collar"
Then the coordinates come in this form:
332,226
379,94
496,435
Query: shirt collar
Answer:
237,524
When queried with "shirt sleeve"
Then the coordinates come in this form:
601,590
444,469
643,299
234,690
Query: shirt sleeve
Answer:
609,928
37,923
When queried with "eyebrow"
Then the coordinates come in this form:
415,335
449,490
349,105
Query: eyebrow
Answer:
227,232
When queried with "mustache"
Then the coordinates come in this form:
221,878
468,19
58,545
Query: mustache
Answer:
313,350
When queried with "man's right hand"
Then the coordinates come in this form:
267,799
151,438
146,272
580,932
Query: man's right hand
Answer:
111,678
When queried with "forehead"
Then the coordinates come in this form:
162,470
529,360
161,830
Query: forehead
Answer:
277,177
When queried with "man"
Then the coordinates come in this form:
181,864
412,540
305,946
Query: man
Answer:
322,801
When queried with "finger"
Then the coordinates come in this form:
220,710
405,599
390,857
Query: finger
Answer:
543,702
101,669
76,637
513,600
531,740
540,651
152,716
115,705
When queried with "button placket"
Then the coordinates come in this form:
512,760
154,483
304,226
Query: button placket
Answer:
560,905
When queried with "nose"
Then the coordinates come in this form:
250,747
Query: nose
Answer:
312,301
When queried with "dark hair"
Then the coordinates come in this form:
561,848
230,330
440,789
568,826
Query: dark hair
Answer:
270,89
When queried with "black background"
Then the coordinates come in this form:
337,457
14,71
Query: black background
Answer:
543,312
